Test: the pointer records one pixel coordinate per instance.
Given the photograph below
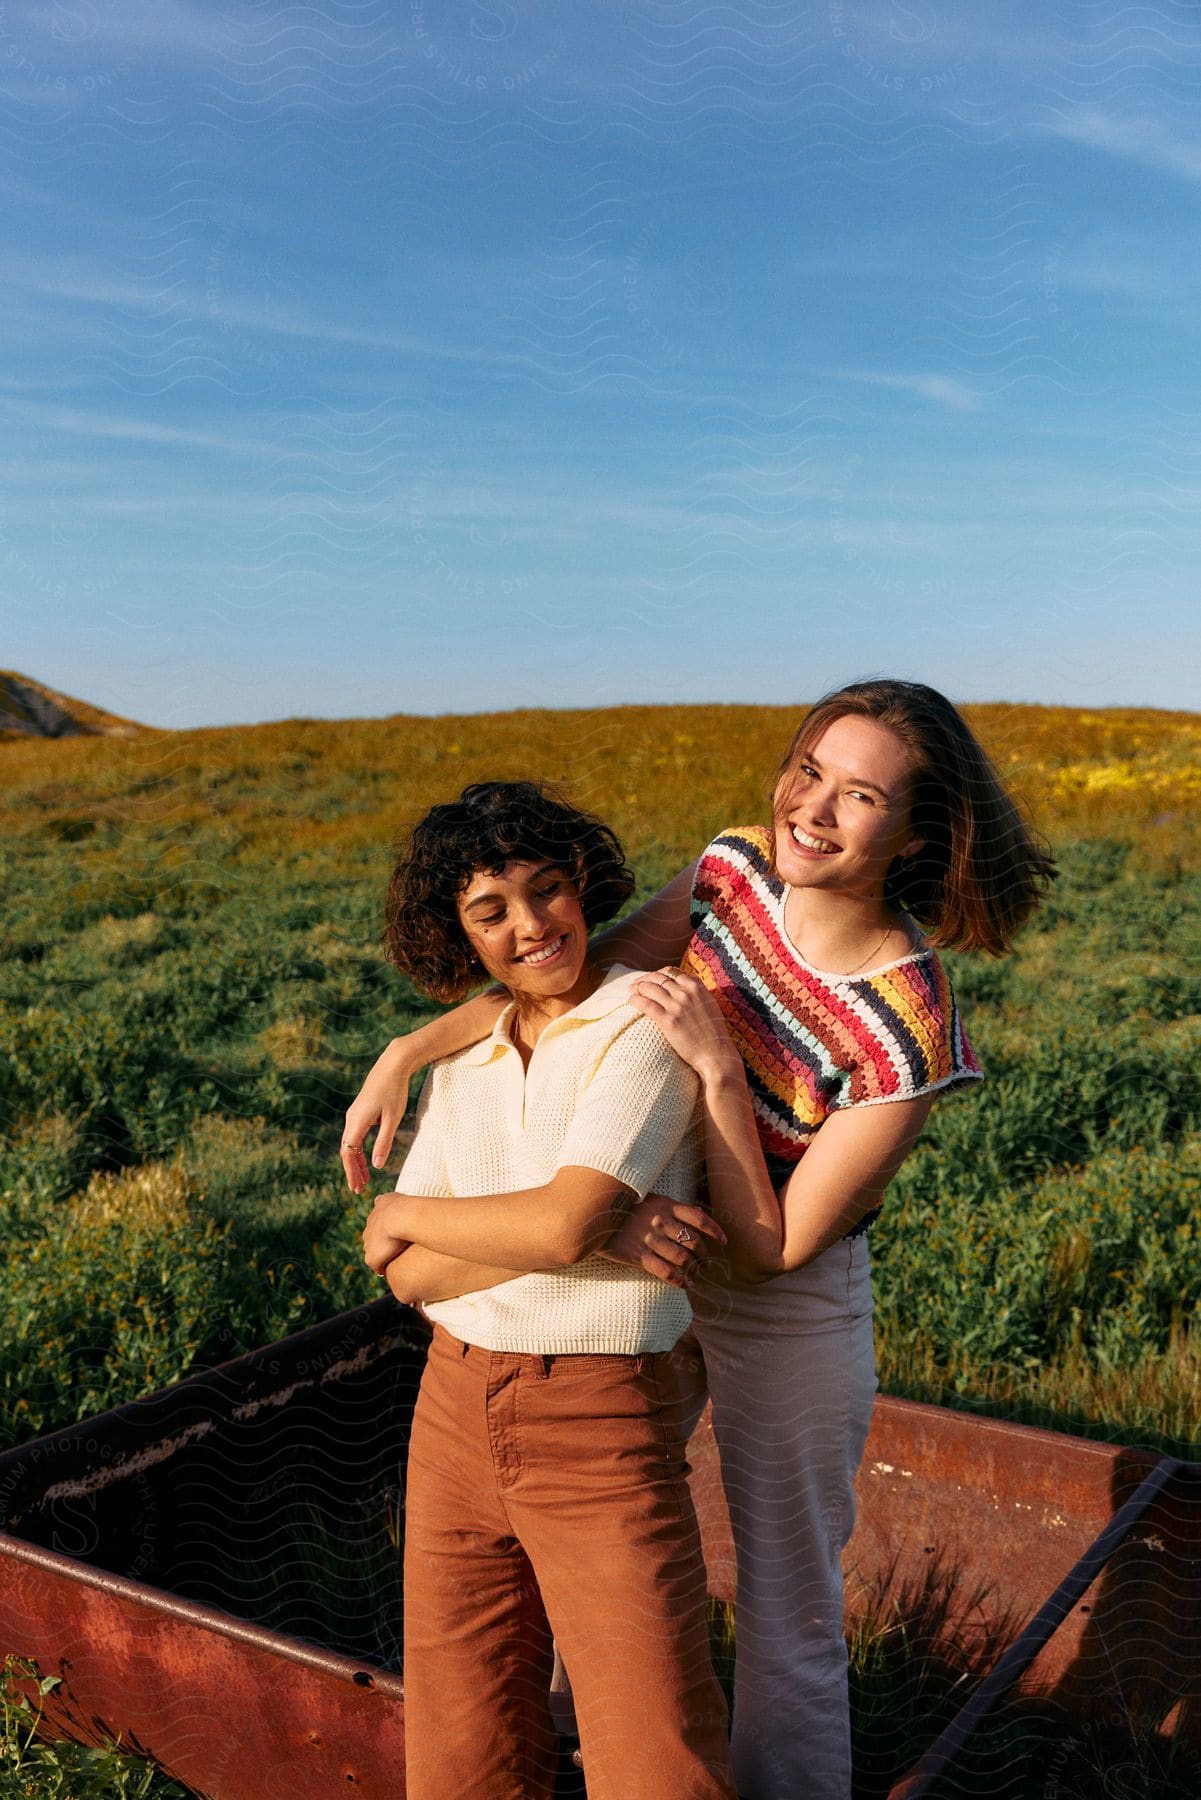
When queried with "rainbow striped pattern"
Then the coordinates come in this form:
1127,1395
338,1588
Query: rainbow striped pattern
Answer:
810,1041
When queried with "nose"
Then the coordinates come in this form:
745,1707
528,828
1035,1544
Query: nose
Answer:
529,917
821,804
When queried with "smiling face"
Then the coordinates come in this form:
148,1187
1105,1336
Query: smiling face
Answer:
841,811
526,926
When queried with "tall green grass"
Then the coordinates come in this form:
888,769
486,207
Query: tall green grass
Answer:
192,988
32,1768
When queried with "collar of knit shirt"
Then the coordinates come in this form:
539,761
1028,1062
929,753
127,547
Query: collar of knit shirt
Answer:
614,991
604,1091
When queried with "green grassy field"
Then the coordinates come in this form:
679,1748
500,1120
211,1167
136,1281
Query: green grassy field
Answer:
193,986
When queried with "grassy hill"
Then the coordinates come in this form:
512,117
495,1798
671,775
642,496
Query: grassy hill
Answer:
32,709
665,777
193,988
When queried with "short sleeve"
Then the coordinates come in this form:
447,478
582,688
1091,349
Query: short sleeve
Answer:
635,1111
424,1170
736,859
912,1039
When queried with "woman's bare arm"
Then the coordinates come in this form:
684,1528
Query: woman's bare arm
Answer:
418,1274
546,1227
657,933
841,1176
646,1237
741,1196
380,1103
844,1172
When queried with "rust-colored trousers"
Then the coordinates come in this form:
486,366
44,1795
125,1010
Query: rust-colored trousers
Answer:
549,1494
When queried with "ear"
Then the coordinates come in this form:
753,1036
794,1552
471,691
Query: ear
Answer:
913,846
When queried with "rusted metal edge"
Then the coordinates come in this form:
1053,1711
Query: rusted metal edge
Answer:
989,1436
231,1390
311,1354
1021,1653
205,1618
915,1411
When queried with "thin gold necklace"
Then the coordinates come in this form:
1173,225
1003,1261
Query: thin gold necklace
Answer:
844,974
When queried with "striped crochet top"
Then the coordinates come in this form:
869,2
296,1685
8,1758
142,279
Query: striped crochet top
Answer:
812,1041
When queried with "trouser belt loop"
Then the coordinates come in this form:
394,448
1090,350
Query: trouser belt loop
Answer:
542,1371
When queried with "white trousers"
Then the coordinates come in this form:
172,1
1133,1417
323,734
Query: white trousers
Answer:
791,1373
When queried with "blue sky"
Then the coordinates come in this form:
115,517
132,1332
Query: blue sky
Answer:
365,358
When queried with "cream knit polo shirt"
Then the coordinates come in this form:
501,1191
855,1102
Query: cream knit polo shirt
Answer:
603,1091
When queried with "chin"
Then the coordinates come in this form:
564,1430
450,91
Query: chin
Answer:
804,875
555,981
560,982
795,869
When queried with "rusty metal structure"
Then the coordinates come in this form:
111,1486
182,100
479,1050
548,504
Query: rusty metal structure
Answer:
161,1559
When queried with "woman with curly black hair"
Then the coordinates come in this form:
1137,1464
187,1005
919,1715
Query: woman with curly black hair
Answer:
546,1477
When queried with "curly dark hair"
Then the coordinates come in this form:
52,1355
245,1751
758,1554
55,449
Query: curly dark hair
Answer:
982,869
490,824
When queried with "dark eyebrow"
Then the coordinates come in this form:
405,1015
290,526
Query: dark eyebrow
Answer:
491,899
852,779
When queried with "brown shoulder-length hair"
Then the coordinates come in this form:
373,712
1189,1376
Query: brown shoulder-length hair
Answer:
982,869
491,823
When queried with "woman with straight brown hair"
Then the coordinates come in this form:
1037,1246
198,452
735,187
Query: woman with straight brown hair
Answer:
805,989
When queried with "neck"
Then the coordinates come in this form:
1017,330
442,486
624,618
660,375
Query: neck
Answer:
534,1012
836,927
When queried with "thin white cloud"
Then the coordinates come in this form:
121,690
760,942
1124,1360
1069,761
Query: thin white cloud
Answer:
47,383
943,390
67,281
276,320
80,284
78,422
1153,143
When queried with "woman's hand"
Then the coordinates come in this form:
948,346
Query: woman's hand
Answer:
380,1102
667,1238
380,1242
689,1018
